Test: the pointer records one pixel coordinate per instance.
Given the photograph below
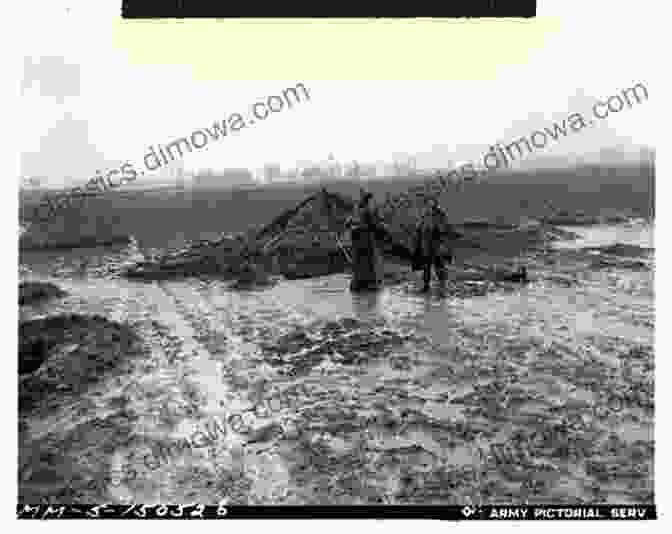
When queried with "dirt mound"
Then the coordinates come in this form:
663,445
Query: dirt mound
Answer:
303,242
65,354
38,292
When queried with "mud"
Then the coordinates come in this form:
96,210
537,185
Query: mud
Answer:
394,397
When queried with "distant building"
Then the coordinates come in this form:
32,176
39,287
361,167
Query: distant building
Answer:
646,155
352,171
293,175
612,155
32,182
238,177
412,166
367,171
312,173
334,167
389,169
331,166
259,175
272,173
176,174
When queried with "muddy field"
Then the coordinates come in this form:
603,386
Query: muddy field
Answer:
394,397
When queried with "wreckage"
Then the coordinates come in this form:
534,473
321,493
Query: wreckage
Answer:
308,240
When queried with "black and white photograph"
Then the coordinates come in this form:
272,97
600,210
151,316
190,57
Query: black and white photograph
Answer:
381,263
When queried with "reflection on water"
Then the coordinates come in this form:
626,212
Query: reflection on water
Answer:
635,233
401,396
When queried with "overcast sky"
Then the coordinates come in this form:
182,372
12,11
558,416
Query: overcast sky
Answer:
85,106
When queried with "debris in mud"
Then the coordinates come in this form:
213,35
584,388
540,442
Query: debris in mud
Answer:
634,265
555,233
621,256
301,242
606,471
562,280
622,250
579,218
38,292
573,262
66,353
311,240
345,342
251,277
447,485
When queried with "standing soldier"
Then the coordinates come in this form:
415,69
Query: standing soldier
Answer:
431,229
367,263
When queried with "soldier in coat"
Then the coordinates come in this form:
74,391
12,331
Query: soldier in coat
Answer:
429,254
367,263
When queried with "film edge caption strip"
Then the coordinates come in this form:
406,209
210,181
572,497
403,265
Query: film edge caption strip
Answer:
446,513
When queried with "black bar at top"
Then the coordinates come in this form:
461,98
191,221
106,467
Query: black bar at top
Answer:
148,9
446,513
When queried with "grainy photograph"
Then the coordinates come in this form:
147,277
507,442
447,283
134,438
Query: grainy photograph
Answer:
384,280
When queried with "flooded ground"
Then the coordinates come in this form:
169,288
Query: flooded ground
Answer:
393,398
